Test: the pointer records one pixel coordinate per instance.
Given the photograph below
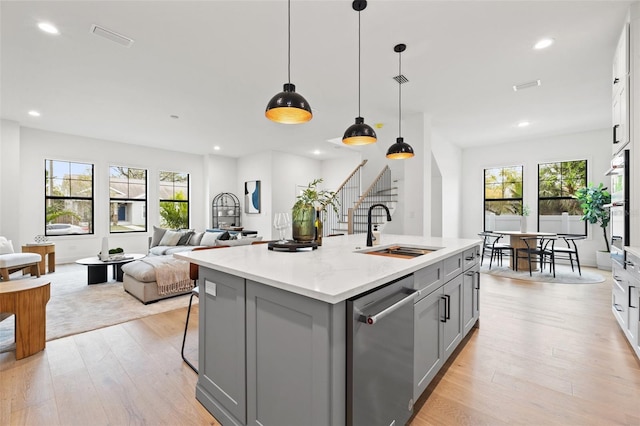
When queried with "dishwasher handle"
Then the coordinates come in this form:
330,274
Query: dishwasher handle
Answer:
372,319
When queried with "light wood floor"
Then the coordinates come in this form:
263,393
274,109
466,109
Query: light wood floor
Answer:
544,354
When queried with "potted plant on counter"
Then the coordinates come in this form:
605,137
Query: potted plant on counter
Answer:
304,210
593,200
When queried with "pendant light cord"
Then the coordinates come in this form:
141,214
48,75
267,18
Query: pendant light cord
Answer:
400,94
359,66
289,40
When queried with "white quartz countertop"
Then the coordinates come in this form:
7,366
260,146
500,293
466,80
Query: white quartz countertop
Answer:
332,273
633,250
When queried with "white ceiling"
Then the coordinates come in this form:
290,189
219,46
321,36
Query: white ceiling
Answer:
216,64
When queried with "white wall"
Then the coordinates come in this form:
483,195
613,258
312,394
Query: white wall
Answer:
250,168
9,190
38,145
336,170
449,160
592,146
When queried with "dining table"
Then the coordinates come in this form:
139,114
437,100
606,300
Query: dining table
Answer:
516,241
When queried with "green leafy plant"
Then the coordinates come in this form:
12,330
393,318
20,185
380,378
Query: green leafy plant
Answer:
116,250
174,215
593,200
312,197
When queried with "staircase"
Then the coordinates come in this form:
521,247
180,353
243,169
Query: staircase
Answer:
354,206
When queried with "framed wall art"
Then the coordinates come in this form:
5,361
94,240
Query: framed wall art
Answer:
252,196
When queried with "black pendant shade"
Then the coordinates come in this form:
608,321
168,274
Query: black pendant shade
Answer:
359,133
288,107
400,150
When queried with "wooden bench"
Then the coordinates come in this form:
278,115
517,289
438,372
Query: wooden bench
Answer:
27,300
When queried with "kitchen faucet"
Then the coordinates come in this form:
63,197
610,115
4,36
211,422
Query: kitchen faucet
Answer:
369,232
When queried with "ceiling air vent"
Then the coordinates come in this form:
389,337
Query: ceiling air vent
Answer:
527,85
111,35
401,79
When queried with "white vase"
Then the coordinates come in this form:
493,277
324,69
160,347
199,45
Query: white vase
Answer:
104,254
523,224
603,260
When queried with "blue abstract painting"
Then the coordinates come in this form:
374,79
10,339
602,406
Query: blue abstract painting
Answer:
252,196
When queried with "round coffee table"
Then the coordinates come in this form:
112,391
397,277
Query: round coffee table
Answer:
97,269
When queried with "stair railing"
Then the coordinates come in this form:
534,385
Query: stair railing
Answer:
347,194
374,194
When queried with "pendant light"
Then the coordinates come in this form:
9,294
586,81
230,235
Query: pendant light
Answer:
400,150
359,133
288,107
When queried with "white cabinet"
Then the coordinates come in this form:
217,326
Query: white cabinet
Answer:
452,324
620,93
625,299
428,346
470,298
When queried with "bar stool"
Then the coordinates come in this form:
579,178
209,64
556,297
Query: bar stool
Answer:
195,292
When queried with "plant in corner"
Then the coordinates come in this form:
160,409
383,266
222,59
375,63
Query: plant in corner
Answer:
303,213
593,200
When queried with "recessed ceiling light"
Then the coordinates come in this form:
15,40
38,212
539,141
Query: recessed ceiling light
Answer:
543,43
216,148
523,124
316,152
34,113
48,28
527,85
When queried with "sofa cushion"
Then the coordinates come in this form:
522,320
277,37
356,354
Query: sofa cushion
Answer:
141,271
6,247
209,238
177,249
158,233
10,260
186,236
170,238
241,242
158,250
225,236
195,239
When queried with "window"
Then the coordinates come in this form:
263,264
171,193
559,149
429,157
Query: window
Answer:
127,199
558,211
68,198
502,198
174,200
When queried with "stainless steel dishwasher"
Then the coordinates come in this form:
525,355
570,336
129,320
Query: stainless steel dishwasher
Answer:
380,355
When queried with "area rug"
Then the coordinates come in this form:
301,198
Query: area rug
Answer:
564,275
76,307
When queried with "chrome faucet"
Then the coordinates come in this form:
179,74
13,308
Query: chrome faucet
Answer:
369,231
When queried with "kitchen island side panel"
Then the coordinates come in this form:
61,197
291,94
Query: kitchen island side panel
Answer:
294,345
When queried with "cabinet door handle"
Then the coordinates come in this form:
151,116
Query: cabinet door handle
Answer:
448,307
615,133
628,262
468,258
478,292
616,80
615,306
443,319
630,305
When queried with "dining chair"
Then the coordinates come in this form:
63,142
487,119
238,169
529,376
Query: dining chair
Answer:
540,247
491,242
571,250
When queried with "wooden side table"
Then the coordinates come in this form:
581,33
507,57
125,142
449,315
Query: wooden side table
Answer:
45,250
27,300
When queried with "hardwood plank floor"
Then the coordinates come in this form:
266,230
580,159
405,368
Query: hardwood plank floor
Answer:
544,354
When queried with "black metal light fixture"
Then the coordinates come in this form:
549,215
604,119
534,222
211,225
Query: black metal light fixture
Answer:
288,107
400,150
359,133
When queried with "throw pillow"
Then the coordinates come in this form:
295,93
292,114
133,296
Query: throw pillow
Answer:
209,238
242,242
225,236
170,238
184,239
158,233
6,247
196,239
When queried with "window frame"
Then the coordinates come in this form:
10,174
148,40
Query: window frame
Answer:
484,192
187,201
47,197
568,197
130,199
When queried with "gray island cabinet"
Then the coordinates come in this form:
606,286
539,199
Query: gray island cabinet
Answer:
273,326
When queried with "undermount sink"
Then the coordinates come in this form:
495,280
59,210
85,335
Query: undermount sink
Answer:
402,252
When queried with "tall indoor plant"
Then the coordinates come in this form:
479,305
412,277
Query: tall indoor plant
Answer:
593,200
304,209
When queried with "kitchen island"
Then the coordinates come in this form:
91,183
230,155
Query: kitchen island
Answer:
274,333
